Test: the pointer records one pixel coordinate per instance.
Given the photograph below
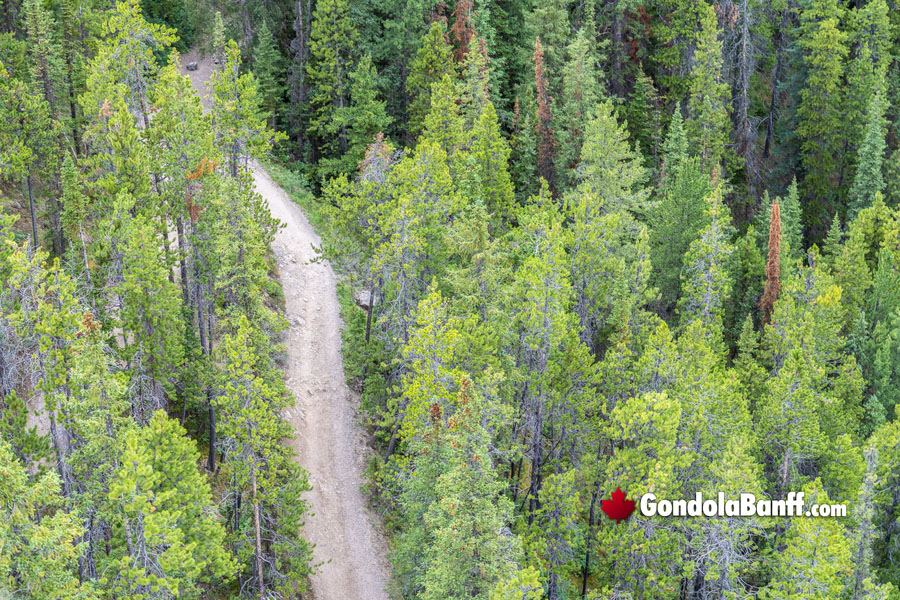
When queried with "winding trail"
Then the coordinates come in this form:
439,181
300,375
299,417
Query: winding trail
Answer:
329,443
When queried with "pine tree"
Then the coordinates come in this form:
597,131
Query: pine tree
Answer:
609,167
331,50
581,94
680,211
773,264
27,137
886,507
161,507
816,561
490,154
443,124
43,52
462,30
237,118
40,556
546,146
432,62
268,71
644,119
476,84
748,274
705,280
129,51
469,554
218,40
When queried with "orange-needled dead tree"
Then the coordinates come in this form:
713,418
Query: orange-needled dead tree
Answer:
546,141
773,266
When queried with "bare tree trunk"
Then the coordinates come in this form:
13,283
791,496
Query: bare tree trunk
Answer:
34,233
369,311
770,121
259,569
185,289
618,88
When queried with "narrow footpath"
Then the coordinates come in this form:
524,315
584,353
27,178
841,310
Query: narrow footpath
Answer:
329,443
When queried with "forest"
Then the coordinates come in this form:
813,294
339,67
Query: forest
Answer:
578,245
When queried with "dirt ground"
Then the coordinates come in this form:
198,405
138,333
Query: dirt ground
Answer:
328,440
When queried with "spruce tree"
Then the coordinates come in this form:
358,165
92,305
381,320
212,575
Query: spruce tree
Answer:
821,127
363,118
708,105
868,180
268,71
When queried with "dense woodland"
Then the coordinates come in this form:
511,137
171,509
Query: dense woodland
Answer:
648,244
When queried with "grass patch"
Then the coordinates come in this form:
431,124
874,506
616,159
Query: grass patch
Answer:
298,188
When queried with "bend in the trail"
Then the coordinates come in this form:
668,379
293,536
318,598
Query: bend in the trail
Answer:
329,443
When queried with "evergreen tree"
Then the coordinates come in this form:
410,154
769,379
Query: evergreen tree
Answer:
644,118
363,118
431,63
581,93
821,126
239,123
40,557
469,554
268,71
27,138
161,507
546,142
609,167
217,40
886,509
868,180
490,154
708,106
773,264
680,211
705,280
331,51
816,561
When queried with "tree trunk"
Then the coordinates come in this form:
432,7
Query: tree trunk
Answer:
259,569
185,289
770,121
369,311
34,233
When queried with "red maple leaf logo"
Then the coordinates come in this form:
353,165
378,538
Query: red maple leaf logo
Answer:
618,508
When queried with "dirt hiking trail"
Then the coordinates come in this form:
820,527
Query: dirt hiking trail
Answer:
330,444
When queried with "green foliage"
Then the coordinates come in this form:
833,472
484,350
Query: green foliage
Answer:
40,554
431,63
237,115
821,125
868,180
268,71
331,52
708,105
816,561
160,505
363,119
680,211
